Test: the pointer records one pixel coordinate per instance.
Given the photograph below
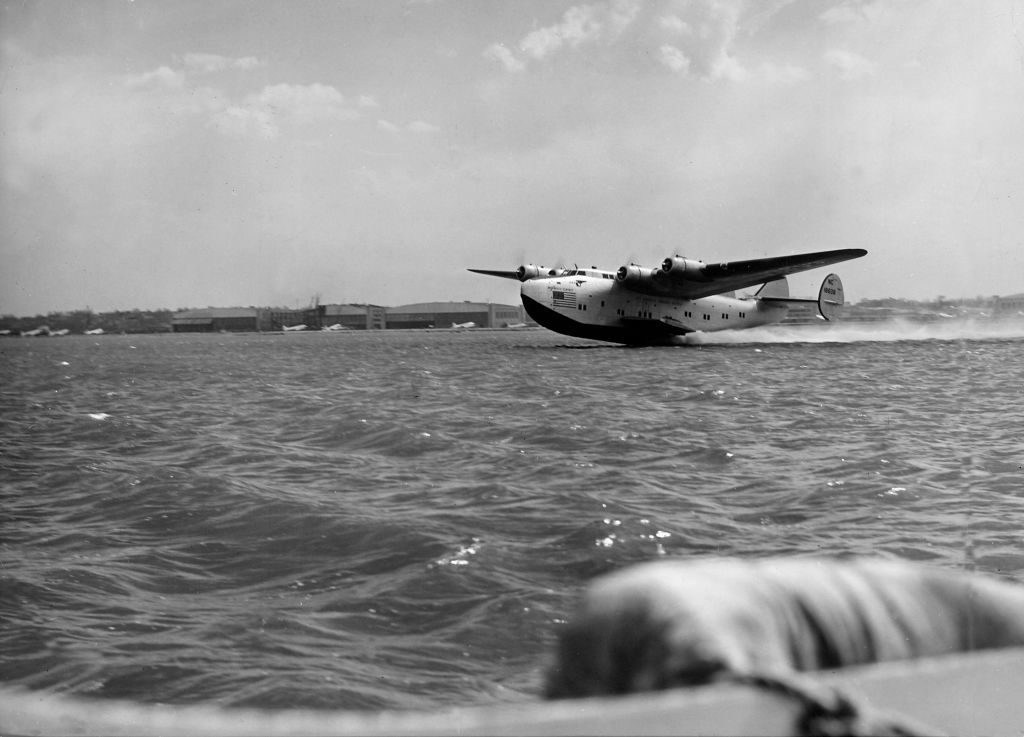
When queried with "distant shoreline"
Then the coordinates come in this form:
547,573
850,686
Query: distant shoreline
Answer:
803,322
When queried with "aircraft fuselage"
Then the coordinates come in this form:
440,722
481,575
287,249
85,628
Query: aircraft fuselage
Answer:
590,303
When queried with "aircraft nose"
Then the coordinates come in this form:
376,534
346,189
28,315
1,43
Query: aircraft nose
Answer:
533,288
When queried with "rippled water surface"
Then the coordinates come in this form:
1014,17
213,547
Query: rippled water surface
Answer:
403,519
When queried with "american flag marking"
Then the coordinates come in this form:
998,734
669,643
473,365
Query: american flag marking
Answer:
563,298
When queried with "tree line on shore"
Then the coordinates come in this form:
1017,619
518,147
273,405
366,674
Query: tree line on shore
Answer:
81,321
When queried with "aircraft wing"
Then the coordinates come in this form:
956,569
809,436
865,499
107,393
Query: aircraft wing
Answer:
492,272
709,279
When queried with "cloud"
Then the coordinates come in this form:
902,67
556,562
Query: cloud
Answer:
673,24
209,63
417,126
259,115
856,13
263,114
674,58
238,121
305,103
783,74
579,24
685,37
851,66
165,76
500,53
160,77
421,126
702,33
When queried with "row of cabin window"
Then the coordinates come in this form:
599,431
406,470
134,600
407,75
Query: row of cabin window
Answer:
725,315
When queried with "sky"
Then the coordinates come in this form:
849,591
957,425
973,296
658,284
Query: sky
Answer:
159,154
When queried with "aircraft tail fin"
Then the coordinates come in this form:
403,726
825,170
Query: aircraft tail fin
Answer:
830,296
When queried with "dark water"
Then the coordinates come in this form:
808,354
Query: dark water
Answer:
403,519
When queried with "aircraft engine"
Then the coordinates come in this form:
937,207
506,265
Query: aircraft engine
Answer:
636,276
532,271
680,268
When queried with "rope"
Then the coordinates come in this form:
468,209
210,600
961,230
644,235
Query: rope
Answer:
828,712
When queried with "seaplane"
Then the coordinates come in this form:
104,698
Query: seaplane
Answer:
638,305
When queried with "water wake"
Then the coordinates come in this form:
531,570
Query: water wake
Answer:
889,331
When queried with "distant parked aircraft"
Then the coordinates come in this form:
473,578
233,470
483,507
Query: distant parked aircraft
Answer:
94,331
293,328
463,324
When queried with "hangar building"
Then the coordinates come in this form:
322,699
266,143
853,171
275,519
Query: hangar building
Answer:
1009,305
351,317
449,314
216,319
355,317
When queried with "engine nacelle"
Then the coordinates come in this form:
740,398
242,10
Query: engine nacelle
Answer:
532,271
637,276
528,271
681,269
